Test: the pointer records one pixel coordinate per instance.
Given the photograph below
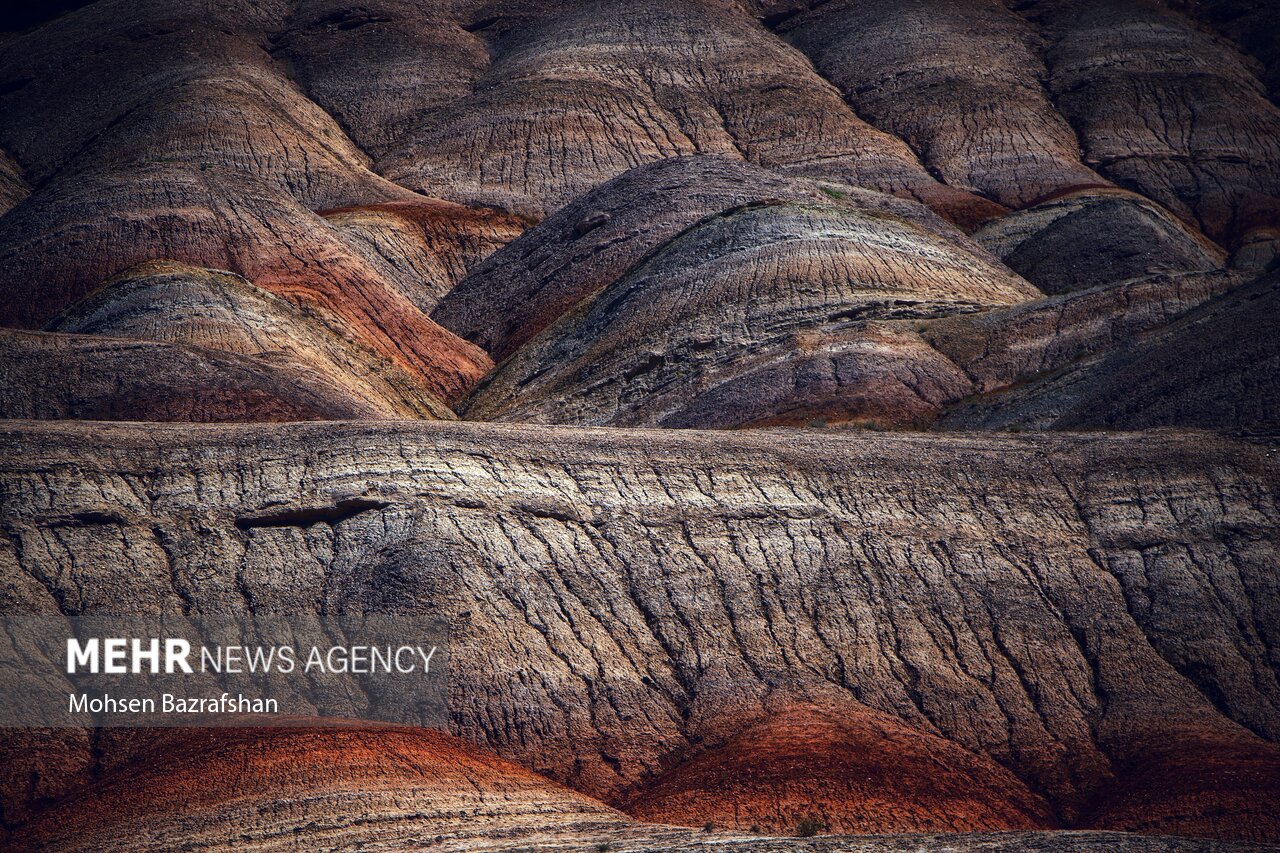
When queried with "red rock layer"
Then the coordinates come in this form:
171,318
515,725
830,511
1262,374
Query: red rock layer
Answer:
201,151
424,247
1195,782
623,597
173,303
849,770
311,788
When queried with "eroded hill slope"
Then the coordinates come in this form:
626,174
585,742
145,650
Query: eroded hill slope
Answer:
1085,611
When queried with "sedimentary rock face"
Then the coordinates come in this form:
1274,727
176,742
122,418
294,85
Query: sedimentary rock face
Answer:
200,151
1213,368
425,247
959,81
99,378
1097,237
668,351
574,94
722,294
178,304
1163,108
628,608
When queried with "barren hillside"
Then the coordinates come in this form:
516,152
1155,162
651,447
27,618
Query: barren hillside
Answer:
673,353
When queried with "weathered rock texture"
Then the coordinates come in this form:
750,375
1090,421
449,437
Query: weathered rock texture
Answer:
1000,347
851,771
678,213
179,304
1163,108
959,81
1087,612
200,150
90,377
266,139
424,247
395,789
1092,237
575,94
1255,27
761,289
389,789
270,788
597,239
1215,367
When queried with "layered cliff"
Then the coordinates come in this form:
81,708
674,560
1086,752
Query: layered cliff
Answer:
1080,616
877,235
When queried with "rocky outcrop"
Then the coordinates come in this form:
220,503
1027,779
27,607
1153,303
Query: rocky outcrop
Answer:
382,788
381,68
1097,237
1252,26
1006,345
598,238
392,789
959,81
424,247
752,287
655,595
179,304
846,769
576,94
869,375
1215,367
693,214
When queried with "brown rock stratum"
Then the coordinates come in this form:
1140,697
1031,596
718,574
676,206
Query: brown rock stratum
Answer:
819,220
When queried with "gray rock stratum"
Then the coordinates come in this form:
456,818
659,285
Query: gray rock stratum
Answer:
1096,237
1164,108
1093,619
959,80
600,236
1215,367
574,94
748,295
